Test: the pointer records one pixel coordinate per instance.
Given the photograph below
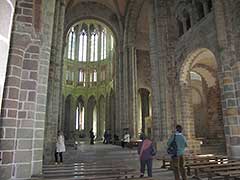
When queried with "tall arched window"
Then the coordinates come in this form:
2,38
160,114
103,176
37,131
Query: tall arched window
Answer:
180,28
81,76
71,44
112,41
209,5
94,46
77,119
95,75
200,10
83,46
103,45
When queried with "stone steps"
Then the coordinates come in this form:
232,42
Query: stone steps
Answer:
80,171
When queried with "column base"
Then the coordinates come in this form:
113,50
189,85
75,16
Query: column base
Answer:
235,152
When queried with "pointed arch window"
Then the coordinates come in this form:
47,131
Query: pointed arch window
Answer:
71,43
95,75
82,46
103,45
81,76
195,76
94,46
79,121
112,41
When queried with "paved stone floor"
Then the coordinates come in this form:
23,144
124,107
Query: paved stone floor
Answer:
108,155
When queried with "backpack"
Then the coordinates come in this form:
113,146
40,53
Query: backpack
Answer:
172,148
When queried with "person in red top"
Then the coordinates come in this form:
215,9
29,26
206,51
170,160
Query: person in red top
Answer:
146,152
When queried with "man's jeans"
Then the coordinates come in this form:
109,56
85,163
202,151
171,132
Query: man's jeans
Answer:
149,167
178,165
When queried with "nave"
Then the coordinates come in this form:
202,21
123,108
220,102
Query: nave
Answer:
100,161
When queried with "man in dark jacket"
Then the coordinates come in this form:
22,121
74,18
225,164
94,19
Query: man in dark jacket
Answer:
146,151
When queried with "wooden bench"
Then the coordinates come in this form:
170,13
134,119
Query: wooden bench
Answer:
224,170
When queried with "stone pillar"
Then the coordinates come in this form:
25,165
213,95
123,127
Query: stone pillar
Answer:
187,118
132,91
54,84
229,81
154,60
7,8
119,91
24,103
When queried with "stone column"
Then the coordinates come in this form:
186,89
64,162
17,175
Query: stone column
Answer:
7,8
119,91
24,103
154,60
54,84
229,80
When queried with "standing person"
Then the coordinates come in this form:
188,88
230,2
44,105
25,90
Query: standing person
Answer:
105,137
126,139
178,159
60,147
145,151
92,136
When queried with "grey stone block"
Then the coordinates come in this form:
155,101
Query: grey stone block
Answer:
6,144
5,172
23,156
38,144
23,171
38,155
24,133
39,133
25,144
37,168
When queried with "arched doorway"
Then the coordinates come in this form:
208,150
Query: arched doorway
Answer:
145,122
68,115
92,115
201,102
102,116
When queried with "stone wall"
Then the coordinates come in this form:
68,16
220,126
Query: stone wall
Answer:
24,101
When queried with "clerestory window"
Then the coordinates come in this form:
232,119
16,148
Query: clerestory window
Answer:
71,44
82,46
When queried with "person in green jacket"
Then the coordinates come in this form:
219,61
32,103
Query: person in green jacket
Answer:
178,160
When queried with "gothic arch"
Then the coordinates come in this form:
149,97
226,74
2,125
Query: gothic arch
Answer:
133,11
97,11
208,116
190,61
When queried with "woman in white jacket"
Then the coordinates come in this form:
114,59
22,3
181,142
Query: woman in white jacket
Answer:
60,147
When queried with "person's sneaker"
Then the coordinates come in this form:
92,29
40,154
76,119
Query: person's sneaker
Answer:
141,176
60,163
56,163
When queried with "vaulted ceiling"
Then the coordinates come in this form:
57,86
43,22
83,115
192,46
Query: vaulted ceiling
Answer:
118,6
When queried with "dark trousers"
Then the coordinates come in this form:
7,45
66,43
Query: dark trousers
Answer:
178,166
60,155
143,163
91,140
124,144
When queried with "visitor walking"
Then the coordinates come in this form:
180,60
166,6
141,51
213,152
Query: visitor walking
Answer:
178,157
146,151
126,139
60,147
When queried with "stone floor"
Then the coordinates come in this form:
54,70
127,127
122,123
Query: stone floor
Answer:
101,155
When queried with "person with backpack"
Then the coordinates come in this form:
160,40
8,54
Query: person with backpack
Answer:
176,147
146,152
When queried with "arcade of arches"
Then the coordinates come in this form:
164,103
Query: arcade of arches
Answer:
140,65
